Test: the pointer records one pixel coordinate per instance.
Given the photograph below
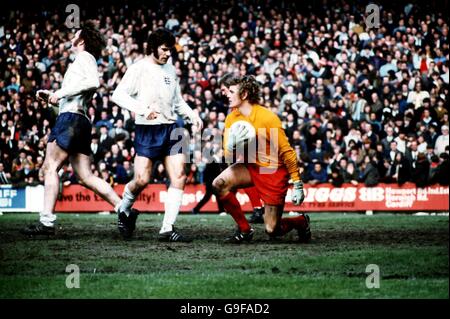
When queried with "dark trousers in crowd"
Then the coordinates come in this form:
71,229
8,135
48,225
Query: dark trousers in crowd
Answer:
206,198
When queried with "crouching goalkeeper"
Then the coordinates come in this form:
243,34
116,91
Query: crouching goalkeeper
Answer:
275,163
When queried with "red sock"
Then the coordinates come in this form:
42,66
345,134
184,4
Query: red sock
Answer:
232,206
287,224
254,197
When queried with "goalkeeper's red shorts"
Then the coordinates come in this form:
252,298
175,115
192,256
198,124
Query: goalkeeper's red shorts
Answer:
271,184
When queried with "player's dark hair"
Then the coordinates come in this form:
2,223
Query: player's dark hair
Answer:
94,42
248,85
157,38
228,79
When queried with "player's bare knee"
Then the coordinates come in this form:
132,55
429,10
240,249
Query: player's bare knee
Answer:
141,180
219,186
270,228
49,167
179,180
86,178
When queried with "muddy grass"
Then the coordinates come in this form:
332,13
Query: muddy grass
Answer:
412,253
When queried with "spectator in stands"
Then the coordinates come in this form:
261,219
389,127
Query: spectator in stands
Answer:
118,132
317,175
442,172
159,175
317,154
393,151
106,175
336,179
442,141
105,120
421,171
400,170
417,96
105,141
412,153
369,175
5,178
351,174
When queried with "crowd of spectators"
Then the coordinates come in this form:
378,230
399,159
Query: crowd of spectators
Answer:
358,104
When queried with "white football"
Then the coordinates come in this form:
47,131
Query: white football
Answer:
251,132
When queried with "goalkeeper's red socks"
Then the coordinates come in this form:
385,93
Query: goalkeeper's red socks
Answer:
254,197
287,224
232,206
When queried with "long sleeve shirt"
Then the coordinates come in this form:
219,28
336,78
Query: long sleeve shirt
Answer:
79,84
147,87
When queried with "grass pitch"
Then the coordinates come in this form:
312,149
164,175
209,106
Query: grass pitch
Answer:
410,251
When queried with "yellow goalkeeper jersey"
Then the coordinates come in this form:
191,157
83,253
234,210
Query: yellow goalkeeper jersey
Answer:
277,150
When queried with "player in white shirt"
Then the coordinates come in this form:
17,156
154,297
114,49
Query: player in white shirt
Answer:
150,89
70,138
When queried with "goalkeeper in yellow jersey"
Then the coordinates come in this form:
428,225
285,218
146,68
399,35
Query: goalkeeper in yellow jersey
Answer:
269,169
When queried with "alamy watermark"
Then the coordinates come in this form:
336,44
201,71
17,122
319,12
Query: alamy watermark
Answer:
73,19
373,16
373,279
73,279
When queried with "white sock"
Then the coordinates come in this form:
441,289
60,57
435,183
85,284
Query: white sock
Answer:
47,219
172,208
128,200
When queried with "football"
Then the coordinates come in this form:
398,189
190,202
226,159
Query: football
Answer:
251,132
